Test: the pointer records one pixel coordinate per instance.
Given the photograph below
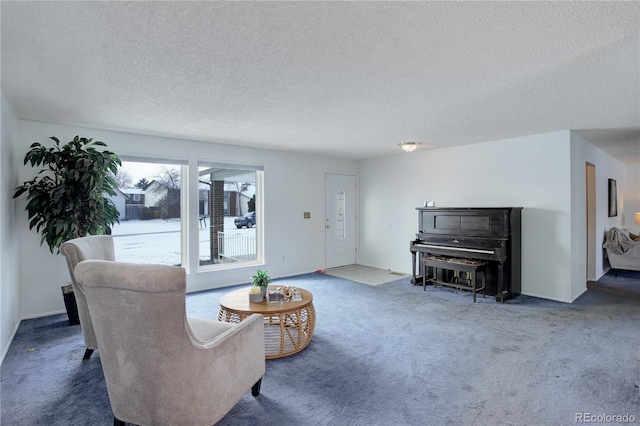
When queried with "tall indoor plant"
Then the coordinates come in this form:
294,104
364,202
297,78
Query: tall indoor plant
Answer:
68,197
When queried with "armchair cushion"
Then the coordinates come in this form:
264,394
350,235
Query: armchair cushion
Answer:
205,330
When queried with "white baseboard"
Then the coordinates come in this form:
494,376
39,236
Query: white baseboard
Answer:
44,315
13,334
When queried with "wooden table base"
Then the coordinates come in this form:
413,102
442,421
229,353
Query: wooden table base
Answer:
288,326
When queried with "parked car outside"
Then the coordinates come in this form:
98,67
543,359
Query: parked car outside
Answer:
247,220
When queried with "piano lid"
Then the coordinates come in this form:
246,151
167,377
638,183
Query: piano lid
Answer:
486,222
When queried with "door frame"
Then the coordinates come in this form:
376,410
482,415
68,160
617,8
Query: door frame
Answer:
590,221
357,207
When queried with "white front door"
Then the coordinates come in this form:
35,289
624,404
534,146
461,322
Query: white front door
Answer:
340,220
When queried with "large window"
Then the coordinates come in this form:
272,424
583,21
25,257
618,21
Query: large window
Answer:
150,203
229,213
154,217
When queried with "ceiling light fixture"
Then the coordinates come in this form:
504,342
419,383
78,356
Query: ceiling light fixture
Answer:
409,146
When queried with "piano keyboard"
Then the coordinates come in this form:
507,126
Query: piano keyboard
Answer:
456,249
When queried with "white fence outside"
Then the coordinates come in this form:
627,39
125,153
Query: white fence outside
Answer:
236,247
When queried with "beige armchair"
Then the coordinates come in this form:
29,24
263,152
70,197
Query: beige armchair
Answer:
95,247
160,367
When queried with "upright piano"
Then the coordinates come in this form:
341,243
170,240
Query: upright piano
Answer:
488,234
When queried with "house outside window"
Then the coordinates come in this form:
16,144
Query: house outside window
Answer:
230,214
153,229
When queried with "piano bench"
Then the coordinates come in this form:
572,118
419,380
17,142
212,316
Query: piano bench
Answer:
471,267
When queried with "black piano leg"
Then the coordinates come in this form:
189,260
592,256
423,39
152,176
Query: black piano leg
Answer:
419,278
502,294
414,281
484,282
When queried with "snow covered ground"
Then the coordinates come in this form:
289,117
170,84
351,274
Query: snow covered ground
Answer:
158,240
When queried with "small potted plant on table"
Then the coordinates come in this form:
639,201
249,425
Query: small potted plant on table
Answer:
261,281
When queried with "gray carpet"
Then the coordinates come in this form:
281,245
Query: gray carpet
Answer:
623,283
384,355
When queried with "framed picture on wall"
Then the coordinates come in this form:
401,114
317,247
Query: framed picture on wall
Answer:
613,198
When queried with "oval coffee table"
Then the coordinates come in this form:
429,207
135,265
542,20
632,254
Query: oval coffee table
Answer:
288,326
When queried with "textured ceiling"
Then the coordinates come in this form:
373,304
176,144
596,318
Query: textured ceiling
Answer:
346,79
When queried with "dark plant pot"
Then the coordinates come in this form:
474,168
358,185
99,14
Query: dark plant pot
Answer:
70,304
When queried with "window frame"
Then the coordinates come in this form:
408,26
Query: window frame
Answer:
189,208
183,163
259,210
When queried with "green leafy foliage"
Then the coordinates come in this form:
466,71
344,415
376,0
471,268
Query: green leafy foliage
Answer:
67,198
260,278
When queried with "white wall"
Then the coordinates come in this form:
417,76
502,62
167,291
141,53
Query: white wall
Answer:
530,172
153,196
294,183
606,168
9,286
534,172
120,201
